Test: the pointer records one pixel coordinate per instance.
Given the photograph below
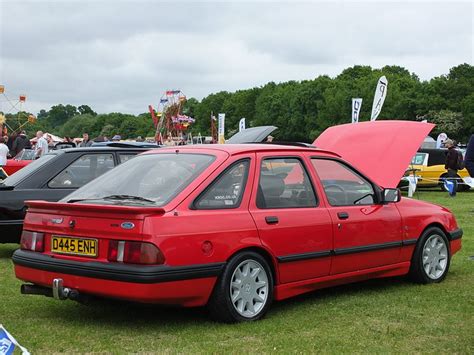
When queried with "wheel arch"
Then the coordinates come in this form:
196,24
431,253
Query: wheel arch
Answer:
437,225
266,255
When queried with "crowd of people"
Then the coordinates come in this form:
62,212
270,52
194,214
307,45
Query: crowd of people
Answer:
11,146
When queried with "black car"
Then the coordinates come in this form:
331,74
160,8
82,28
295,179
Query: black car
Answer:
51,178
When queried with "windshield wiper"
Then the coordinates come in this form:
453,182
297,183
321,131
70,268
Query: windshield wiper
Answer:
113,197
127,197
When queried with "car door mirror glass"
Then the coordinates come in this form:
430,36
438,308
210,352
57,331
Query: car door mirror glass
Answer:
391,195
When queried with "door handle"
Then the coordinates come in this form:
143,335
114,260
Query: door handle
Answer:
343,215
271,219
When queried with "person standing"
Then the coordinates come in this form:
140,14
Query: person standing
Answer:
451,164
41,145
3,152
21,142
86,142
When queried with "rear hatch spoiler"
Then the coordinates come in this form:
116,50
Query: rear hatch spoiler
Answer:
88,220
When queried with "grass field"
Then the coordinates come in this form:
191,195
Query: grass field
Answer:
389,315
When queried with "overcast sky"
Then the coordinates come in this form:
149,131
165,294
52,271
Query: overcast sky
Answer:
122,55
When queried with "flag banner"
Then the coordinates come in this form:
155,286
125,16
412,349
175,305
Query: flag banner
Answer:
450,186
8,343
242,124
153,116
440,140
379,98
221,128
356,105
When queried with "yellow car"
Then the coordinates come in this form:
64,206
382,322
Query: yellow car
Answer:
428,166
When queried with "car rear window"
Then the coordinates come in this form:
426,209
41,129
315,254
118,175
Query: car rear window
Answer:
153,179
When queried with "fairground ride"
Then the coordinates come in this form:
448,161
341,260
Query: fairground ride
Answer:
169,120
9,106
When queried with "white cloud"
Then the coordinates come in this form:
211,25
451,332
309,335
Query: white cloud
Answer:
121,55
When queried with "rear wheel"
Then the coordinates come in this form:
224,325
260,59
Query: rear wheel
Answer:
244,291
431,259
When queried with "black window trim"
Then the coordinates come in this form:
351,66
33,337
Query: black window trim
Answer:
194,206
377,189
72,162
305,168
118,156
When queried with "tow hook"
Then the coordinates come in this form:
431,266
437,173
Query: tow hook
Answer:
61,293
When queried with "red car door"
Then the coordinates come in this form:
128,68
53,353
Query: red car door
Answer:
367,234
289,218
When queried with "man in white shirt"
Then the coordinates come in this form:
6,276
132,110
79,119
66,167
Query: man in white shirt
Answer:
41,145
3,152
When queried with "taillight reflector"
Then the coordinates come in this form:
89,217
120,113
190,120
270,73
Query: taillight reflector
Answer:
32,241
134,253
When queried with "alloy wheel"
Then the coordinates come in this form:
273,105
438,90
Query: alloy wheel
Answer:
435,257
249,288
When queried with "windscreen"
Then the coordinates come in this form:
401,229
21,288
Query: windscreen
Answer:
153,179
418,159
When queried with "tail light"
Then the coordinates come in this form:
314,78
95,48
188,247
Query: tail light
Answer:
32,241
134,253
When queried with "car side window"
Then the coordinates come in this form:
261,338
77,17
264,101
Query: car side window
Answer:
226,190
284,183
126,157
342,185
84,169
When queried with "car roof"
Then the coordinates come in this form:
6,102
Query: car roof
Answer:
126,144
234,149
98,149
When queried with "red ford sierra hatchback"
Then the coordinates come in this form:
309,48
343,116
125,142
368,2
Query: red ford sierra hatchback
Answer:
233,227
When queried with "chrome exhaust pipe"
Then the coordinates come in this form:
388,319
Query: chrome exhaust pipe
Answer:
36,290
58,291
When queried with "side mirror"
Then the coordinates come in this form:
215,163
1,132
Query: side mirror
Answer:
391,195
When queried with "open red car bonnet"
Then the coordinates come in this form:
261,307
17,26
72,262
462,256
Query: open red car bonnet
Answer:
382,150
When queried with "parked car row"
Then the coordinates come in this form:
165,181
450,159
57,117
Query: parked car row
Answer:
428,166
232,226
51,178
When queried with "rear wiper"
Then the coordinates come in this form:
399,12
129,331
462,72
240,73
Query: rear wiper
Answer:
113,197
127,197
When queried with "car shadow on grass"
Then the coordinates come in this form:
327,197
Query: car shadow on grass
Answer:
6,250
130,314
324,295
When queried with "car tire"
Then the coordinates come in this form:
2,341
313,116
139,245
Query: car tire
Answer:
244,291
432,257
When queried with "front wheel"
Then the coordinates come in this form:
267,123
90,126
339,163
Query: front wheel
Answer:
244,291
431,259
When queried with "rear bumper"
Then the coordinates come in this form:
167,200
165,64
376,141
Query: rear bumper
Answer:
187,286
